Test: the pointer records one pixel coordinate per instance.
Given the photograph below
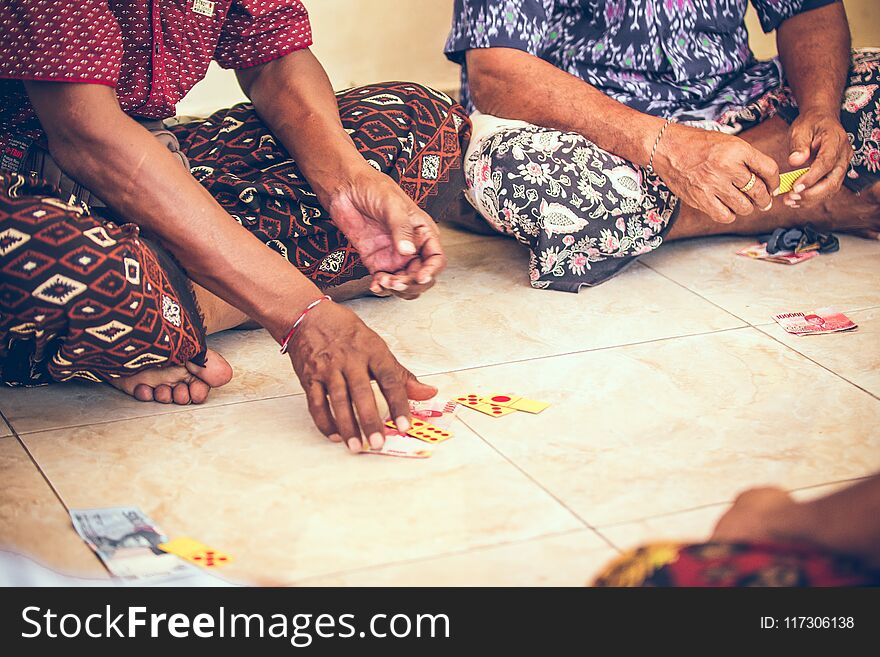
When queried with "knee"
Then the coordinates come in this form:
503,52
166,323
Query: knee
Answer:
429,109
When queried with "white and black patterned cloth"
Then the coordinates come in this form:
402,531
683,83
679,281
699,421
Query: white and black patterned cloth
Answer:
687,59
586,214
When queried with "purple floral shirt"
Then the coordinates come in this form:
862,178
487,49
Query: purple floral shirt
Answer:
687,59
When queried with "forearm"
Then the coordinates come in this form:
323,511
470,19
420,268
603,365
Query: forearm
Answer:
814,48
98,145
846,522
293,96
513,84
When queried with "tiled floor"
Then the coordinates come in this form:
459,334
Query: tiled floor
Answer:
672,390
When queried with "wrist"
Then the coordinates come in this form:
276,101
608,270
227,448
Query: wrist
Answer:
338,175
819,109
301,319
280,314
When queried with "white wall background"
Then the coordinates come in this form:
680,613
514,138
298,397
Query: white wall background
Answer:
361,41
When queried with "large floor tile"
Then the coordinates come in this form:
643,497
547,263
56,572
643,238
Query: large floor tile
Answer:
260,372
755,290
482,311
256,480
655,428
571,559
32,520
854,355
691,526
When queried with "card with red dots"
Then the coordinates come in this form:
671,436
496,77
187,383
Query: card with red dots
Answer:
501,398
476,402
424,431
195,552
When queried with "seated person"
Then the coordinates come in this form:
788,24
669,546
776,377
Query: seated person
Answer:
614,126
768,539
120,250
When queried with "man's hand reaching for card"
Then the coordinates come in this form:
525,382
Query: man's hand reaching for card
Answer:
397,241
335,357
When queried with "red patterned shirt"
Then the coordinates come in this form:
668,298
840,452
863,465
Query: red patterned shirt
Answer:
151,51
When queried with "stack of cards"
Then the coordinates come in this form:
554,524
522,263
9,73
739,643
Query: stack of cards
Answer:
824,320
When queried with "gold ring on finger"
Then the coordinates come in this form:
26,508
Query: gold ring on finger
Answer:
748,186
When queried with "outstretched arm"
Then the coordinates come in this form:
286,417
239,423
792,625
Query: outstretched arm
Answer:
814,48
333,352
703,168
396,240
846,522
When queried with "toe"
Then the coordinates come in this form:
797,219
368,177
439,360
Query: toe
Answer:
216,372
181,394
142,392
162,394
198,391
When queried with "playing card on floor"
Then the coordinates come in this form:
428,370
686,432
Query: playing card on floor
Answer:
437,412
401,446
824,320
759,252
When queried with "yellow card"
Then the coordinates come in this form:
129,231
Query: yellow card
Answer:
428,432
182,546
500,398
493,409
529,405
787,180
195,552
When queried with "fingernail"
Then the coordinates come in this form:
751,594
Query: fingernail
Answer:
424,280
355,445
402,423
398,287
799,188
769,205
376,440
794,197
406,247
335,437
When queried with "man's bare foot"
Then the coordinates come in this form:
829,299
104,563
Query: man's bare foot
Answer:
178,384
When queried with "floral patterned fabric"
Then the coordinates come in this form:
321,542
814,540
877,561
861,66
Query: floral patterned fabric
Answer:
734,565
687,59
583,212
586,214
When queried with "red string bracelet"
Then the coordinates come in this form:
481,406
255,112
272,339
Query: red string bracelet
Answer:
299,320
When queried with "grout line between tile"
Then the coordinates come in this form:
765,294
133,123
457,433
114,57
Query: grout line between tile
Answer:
582,351
614,525
537,483
173,410
758,328
184,409
36,464
441,555
850,310
815,362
